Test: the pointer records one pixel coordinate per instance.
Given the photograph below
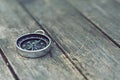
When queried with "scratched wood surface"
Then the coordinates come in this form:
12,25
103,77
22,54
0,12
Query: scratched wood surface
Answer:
103,13
93,53
4,71
14,22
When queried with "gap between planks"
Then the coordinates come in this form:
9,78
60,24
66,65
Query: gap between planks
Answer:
8,65
96,26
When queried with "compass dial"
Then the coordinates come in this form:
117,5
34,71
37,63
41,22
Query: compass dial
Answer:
33,44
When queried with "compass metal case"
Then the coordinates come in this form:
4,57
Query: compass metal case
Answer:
33,45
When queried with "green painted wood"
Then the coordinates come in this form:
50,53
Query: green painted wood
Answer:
103,13
5,73
91,51
14,22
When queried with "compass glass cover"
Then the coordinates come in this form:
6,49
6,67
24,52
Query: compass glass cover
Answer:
33,42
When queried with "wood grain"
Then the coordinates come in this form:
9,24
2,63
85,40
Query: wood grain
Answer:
91,51
5,73
14,22
103,13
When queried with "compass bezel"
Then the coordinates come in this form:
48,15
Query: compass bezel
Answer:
30,36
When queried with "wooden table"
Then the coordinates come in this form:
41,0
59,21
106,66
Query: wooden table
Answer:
85,33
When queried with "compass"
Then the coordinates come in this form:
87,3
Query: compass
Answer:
34,44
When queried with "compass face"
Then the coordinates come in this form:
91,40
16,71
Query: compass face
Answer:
33,42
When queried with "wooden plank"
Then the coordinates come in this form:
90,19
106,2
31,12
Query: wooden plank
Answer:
5,74
13,23
103,13
91,51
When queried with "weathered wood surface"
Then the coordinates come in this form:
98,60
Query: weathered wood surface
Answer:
5,73
13,23
103,13
91,51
